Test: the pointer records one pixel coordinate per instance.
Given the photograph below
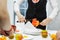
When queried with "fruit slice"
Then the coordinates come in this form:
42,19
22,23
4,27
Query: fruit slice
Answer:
25,36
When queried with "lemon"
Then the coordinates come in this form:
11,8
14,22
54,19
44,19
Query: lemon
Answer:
11,37
44,33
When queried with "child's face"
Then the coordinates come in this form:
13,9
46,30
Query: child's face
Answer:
35,1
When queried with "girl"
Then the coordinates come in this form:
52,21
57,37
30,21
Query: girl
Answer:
37,9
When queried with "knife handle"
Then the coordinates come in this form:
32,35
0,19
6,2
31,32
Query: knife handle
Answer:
25,21
19,21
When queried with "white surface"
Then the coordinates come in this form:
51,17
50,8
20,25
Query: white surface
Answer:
36,37
30,29
40,38
21,26
29,25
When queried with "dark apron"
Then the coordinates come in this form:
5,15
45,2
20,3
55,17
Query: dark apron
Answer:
37,10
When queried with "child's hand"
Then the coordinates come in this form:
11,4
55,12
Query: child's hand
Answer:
21,19
45,21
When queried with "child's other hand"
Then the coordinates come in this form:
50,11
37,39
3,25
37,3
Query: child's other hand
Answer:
45,21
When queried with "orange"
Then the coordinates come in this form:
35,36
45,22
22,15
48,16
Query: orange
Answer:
53,36
1,39
4,37
19,36
35,22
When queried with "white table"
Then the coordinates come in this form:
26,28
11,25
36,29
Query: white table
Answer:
39,37
20,26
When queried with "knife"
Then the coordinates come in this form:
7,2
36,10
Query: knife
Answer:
26,21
